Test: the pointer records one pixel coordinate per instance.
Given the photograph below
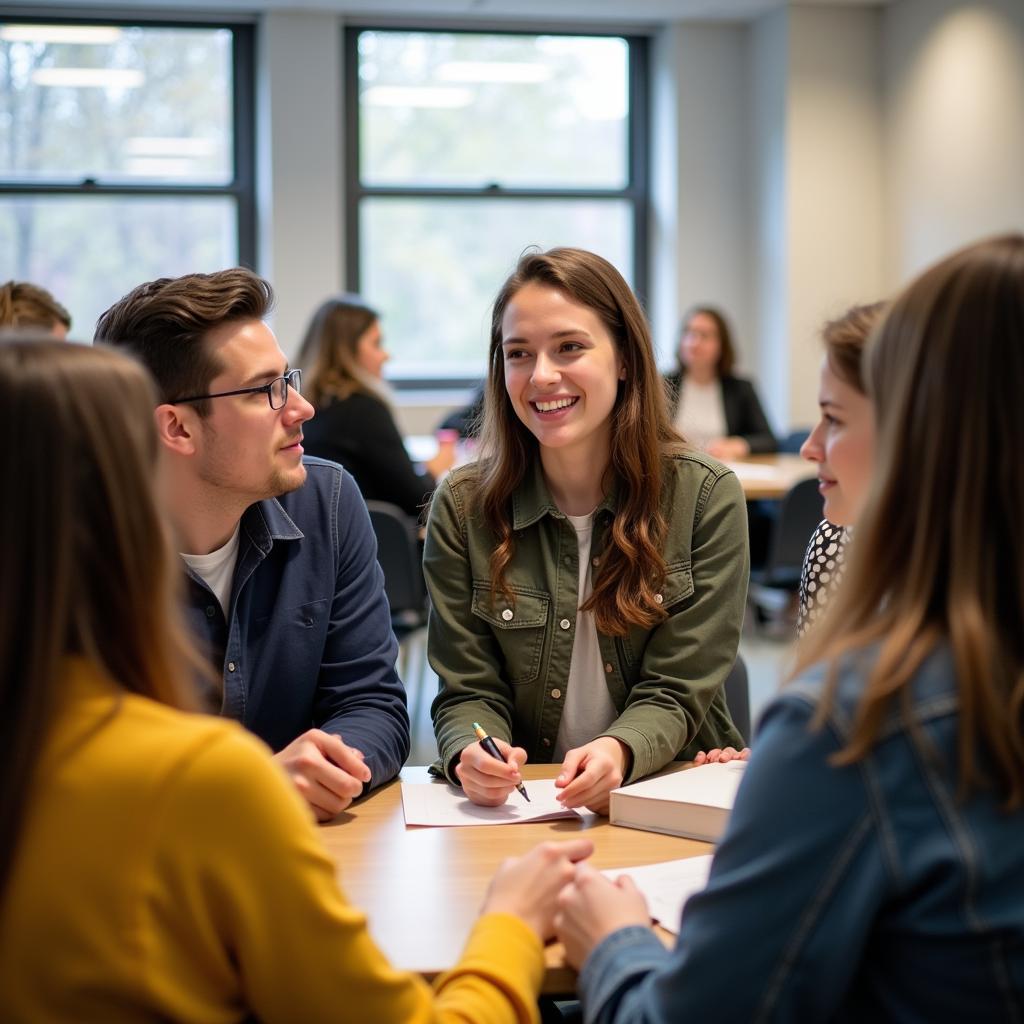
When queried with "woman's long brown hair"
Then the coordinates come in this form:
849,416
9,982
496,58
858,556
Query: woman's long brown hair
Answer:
631,567
939,553
328,353
87,566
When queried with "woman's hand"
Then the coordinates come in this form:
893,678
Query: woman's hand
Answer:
592,907
528,886
589,773
729,448
723,755
486,780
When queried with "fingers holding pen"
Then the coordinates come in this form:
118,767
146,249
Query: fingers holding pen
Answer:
484,778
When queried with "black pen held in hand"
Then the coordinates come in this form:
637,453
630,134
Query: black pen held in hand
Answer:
492,748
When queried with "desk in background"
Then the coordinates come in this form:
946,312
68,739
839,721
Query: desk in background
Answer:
422,887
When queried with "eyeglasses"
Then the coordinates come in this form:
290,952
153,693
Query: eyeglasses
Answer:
276,391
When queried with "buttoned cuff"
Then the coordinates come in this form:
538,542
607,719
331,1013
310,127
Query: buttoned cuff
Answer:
619,961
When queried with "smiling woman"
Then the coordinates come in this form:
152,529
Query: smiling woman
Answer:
588,572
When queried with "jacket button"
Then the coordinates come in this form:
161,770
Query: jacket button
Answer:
556,694
565,623
210,611
546,742
595,562
507,614
231,666
658,598
608,667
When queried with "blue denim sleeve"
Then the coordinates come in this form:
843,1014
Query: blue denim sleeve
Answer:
359,695
794,889
618,962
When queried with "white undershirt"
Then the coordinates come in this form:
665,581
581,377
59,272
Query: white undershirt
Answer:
217,569
588,707
700,416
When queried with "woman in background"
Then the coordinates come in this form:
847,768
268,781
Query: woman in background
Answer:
343,356
155,864
712,409
875,852
588,572
27,307
842,445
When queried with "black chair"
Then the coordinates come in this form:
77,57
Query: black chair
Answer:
772,587
398,552
737,697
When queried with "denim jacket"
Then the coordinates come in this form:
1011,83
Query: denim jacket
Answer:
865,892
505,664
308,643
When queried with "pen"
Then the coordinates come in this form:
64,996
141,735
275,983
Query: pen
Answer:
492,748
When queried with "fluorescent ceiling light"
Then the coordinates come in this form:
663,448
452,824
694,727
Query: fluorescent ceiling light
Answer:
417,96
100,78
172,146
60,33
518,72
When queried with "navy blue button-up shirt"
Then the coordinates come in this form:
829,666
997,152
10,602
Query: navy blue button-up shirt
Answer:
308,641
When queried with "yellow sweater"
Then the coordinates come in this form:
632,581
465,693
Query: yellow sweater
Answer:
168,870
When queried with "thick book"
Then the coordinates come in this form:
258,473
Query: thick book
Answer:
694,803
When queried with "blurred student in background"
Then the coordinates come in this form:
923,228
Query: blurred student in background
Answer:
588,572
155,864
876,846
712,409
27,307
343,355
842,446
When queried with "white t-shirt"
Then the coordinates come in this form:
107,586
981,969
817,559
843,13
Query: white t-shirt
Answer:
588,707
217,569
700,417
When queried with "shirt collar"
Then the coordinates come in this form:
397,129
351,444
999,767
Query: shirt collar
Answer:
532,498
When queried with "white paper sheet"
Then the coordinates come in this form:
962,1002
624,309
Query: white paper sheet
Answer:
432,803
668,885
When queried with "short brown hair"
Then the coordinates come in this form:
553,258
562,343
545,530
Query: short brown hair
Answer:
845,338
727,350
26,306
165,322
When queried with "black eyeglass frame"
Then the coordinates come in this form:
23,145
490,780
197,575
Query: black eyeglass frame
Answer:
292,379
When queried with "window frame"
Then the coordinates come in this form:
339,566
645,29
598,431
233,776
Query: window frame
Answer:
636,190
242,186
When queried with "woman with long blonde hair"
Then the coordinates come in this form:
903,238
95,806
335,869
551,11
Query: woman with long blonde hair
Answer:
588,573
154,864
875,853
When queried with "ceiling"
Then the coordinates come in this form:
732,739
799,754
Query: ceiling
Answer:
633,12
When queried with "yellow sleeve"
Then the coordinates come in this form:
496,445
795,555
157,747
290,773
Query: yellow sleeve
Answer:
258,891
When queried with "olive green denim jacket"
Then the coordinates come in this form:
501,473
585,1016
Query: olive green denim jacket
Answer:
506,664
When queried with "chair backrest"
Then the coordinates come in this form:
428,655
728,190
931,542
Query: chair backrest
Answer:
799,515
399,556
793,441
737,697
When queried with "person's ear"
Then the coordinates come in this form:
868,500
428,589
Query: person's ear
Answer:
176,428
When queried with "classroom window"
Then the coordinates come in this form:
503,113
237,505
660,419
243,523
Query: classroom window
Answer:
127,156
463,149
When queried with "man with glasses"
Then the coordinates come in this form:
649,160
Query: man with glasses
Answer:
283,588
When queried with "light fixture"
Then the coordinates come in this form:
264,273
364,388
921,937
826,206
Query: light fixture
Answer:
89,78
512,72
97,34
440,97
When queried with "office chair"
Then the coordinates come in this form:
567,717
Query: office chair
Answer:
737,697
398,552
772,587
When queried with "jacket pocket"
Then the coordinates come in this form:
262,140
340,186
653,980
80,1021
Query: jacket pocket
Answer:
678,586
519,626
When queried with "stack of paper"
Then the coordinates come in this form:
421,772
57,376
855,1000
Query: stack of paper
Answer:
434,803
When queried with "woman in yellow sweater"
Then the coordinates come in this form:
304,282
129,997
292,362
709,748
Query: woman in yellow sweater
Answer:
155,864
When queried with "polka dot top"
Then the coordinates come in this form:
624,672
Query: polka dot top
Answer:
822,570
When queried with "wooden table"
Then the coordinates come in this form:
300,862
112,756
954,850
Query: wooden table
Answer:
770,476
422,887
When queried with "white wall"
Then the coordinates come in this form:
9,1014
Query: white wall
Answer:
300,165
954,87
